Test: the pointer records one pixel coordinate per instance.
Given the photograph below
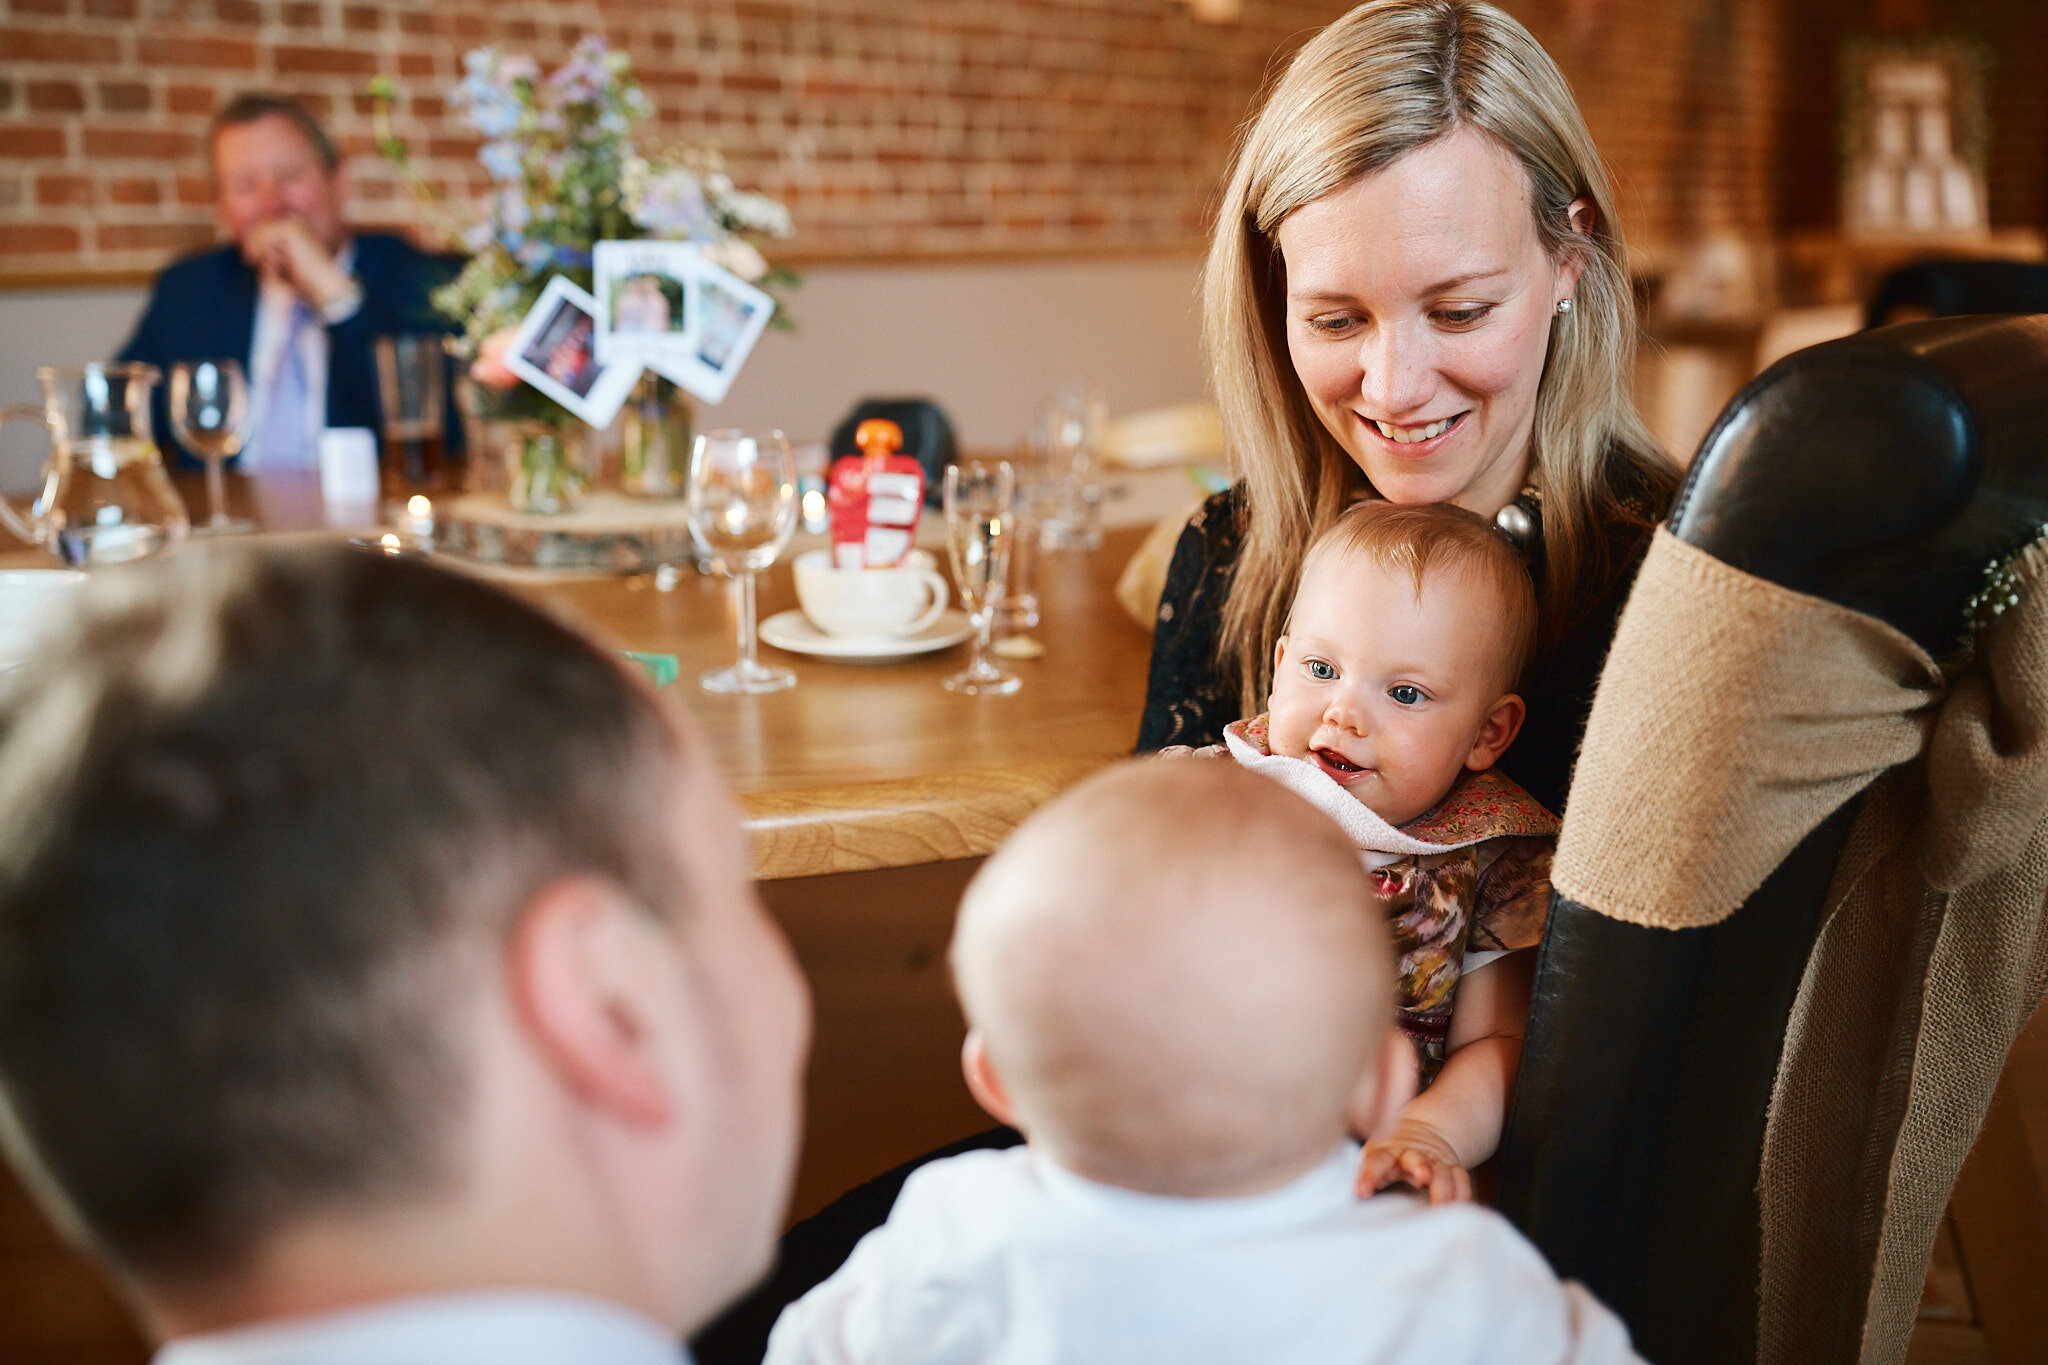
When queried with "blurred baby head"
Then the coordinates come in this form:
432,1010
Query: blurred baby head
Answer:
1398,667
1172,984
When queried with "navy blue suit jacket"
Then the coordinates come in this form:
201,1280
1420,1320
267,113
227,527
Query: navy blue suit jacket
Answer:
204,307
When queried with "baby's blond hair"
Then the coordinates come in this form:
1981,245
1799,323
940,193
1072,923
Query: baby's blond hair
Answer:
1418,538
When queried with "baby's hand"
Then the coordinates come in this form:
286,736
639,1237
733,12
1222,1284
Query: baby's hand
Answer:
1416,1154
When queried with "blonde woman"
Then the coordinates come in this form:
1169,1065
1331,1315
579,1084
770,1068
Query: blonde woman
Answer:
1409,210
1417,291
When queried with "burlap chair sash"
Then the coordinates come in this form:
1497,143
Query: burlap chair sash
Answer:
1732,718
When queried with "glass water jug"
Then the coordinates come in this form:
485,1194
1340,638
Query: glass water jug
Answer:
106,497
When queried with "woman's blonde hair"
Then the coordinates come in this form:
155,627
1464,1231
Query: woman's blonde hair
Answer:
1383,80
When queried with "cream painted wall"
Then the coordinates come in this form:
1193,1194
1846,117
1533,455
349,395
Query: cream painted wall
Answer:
988,341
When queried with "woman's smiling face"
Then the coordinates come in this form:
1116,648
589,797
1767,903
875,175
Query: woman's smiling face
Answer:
1419,306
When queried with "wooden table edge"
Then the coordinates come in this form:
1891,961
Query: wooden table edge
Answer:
902,823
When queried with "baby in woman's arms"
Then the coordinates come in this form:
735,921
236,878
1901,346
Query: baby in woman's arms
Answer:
1171,990
1393,695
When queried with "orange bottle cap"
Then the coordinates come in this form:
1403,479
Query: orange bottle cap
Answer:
878,437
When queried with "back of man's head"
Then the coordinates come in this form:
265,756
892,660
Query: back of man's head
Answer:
256,813
1176,981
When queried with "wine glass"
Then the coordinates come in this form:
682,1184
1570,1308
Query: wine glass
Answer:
981,520
741,496
210,416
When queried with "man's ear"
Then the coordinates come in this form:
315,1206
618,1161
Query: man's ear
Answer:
1496,732
585,986
982,1080
1383,1090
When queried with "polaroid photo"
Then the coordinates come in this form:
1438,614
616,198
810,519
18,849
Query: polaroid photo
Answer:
646,301
555,350
731,315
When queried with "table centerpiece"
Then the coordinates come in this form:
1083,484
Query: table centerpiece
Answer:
566,173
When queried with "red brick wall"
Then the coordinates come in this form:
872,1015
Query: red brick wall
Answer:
916,128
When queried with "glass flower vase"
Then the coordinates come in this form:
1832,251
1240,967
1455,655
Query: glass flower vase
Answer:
654,439
546,466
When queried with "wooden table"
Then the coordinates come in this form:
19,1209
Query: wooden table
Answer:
859,766
864,766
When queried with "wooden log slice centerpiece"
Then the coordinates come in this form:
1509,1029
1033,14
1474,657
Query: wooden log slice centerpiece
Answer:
611,533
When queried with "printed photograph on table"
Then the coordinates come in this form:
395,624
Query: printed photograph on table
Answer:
555,350
646,301
731,315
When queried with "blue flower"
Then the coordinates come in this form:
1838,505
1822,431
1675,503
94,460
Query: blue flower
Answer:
500,159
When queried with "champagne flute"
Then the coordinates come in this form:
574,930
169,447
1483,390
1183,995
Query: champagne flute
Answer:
742,506
210,416
981,519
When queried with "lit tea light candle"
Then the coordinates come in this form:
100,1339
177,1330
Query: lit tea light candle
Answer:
389,544
419,515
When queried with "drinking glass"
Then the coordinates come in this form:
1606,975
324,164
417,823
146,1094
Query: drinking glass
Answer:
210,417
412,372
981,520
1069,441
742,507
1036,501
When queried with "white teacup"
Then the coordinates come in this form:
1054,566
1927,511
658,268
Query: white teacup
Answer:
870,603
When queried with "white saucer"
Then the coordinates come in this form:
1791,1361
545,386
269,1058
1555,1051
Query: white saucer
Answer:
793,631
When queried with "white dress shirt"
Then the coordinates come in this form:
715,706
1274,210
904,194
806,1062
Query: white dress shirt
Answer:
1003,1258
499,1328
274,300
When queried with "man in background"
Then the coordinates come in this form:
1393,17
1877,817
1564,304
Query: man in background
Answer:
294,294
379,976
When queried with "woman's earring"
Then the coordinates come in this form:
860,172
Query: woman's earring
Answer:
1563,306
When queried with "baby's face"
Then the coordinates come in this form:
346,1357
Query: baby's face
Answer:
1386,690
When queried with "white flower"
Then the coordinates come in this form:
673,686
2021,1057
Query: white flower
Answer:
739,257
756,213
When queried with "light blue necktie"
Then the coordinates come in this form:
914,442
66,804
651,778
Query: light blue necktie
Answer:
283,441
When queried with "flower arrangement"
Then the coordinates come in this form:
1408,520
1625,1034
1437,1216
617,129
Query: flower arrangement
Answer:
566,173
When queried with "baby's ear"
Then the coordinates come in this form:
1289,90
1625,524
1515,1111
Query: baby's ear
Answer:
1496,732
1279,653
982,1080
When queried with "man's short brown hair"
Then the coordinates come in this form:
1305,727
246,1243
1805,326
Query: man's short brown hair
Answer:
252,105
264,817
1419,538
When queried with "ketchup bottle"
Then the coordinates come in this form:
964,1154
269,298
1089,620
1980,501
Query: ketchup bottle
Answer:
873,499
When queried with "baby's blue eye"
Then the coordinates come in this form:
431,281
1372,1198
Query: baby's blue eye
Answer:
1321,670
1404,694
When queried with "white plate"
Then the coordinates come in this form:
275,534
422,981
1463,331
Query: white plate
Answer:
30,601
793,631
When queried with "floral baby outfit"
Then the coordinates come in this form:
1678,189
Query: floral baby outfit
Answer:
1465,882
